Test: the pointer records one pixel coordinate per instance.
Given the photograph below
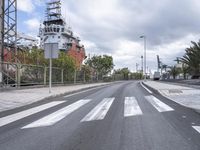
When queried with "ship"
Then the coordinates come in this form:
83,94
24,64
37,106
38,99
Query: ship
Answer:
56,30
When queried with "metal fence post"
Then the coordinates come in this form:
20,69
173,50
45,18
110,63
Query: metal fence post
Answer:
18,75
45,75
62,71
75,76
84,80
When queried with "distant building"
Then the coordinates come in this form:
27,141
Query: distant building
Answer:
24,42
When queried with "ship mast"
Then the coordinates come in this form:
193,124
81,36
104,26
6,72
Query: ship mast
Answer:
53,13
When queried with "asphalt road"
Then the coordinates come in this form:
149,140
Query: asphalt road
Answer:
122,116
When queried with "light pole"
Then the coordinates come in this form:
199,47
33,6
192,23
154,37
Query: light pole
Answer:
144,37
142,65
137,67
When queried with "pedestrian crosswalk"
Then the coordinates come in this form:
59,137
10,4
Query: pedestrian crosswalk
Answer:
131,108
160,106
58,115
197,128
100,111
14,117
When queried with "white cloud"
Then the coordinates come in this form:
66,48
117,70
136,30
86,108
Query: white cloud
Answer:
33,25
127,54
25,5
39,2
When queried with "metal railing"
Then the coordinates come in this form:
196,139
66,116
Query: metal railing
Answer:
16,75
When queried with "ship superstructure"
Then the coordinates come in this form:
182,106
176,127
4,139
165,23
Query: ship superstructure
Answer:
55,30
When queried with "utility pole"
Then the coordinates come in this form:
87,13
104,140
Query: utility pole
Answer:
1,38
8,25
147,72
137,67
144,37
142,64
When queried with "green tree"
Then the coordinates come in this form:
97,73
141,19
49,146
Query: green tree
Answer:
33,63
86,71
136,75
36,58
33,56
121,74
174,71
66,63
125,72
185,70
101,64
191,59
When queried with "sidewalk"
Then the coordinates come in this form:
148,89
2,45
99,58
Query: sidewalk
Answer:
16,98
186,96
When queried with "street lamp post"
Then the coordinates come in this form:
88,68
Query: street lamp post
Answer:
136,67
144,37
142,70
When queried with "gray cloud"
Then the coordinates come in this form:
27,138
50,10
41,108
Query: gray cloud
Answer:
106,23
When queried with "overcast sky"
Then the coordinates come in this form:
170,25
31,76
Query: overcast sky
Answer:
113,27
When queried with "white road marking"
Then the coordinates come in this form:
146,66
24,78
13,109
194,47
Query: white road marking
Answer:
145,87
17,116
197,128
131,107
100,111
57,116
160,106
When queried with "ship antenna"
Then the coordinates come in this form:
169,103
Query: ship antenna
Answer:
65,14
69,21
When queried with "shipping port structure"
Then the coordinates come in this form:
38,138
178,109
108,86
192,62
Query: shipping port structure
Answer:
55,30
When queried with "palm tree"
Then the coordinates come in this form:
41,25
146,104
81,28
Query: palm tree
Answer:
192,59
174,71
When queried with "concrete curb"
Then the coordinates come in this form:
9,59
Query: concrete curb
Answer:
75,91
181,84
195,109
61,94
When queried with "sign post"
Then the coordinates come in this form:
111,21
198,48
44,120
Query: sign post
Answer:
51,51
50,74
1,77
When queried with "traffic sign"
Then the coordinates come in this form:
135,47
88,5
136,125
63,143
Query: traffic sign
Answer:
51,50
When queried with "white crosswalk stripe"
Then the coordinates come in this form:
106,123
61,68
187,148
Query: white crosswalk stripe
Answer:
100,111
131,107
197,128
17,116
58,115
160,106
